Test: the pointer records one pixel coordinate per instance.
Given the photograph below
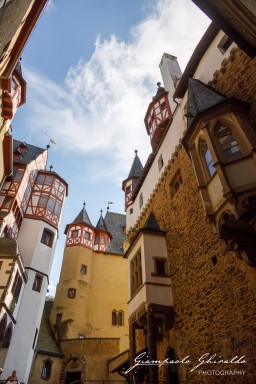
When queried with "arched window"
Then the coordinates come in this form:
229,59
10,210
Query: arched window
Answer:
207,157
228,142
117,318
46,369
172,368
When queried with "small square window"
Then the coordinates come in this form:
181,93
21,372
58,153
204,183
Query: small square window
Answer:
42,201
87,235
225,43
74,234
131,211
37,283
160,267
47,237
71,293
83,269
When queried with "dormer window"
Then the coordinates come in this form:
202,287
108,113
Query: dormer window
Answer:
228,142
207,157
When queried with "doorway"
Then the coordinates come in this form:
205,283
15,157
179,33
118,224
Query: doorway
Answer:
73,377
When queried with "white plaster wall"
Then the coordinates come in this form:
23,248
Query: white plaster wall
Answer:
20,352
34,253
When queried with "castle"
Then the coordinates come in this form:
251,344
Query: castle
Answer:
187,266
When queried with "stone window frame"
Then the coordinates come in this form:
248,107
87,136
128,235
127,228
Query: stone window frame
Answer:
117,318
176,183
136,273
46,369
218,148
208,164
157,261
224,44
71,294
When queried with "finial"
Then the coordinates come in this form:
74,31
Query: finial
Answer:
84,204
158,84
51,167
48,146
101,212
136,151
108,208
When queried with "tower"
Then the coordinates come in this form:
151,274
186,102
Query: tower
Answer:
89,310
129,184
31,206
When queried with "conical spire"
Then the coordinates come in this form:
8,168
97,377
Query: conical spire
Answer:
136,168
83,217
101,225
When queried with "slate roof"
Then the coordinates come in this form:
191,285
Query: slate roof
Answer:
136,168
83,217
46,341
115,223
200,98
101,223
29,154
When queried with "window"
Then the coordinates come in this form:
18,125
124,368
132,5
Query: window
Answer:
224,44
7,336
35,337
87,235
46,369
18,173
16,287
128,189
136,273
51,204
175,183
102,240
131,211
37,283
47,237
7,202
74,234
228,142
160,162
141,200
83,269
71,293
117,318
43,201
207,157
57,208
58,318
81,336
160,267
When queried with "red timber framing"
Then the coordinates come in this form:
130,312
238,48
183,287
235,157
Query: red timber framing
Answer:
157,118
47,198
80,234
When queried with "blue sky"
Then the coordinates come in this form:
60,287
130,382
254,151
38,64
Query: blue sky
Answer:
91,68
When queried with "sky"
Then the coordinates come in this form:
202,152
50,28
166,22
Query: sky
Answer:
91,68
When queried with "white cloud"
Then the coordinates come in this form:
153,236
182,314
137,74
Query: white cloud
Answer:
103,103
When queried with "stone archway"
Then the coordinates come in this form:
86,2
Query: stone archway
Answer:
72,364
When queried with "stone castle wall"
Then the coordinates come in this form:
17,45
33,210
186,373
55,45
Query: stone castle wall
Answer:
214,292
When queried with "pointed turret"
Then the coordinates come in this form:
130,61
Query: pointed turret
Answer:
102,235
131,182
80,231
